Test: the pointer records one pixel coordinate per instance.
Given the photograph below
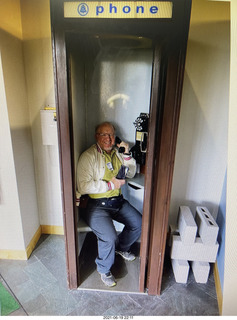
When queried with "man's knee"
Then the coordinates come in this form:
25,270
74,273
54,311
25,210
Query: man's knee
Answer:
137,219
112,238
109,236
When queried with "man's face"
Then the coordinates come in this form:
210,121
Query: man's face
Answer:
105,138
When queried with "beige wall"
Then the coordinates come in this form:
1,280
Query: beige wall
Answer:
201,155
10,17
11,236
30,188
13,73
38,62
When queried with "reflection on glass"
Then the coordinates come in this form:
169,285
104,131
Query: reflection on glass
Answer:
119,88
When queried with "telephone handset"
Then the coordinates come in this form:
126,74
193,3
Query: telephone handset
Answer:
123,170
118,141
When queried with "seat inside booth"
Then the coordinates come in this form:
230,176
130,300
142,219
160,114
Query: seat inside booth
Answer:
109,80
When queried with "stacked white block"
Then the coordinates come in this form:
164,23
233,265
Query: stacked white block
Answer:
207,226
197,251
200,271
189,247
186,225
181,270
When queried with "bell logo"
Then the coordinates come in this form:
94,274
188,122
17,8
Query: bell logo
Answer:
83,9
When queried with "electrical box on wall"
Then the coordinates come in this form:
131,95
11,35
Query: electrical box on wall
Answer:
49,126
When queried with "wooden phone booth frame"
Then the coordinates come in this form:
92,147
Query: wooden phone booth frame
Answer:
167,83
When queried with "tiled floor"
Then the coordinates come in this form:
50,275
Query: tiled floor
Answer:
40,287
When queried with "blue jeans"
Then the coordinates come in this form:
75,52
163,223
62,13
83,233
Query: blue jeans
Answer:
100,214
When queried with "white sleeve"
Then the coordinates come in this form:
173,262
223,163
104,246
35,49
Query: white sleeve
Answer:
129,162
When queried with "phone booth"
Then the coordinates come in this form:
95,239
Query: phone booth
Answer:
121,62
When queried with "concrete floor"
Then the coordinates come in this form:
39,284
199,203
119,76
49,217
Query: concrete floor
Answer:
40,287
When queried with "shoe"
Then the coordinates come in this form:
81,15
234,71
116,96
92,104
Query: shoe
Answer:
108,279
126,255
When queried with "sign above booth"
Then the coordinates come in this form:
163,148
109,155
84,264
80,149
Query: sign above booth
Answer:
119,9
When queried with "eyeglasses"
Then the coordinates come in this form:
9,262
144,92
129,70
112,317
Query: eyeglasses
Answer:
105,135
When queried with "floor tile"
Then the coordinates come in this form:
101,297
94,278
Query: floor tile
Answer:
40,285
39,275
27,291
189,300
12,272
123,305
59,301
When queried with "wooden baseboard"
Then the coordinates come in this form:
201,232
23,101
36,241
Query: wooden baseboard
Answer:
218,288
25,254
47,229
33,242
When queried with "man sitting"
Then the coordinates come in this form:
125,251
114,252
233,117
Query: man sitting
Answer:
97,176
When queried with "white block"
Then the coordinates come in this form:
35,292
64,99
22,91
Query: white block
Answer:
181,270
186,225
194,252
200,271
207,226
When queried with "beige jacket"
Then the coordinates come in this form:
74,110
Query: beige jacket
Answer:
91,170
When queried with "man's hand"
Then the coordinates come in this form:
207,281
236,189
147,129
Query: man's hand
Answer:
117,183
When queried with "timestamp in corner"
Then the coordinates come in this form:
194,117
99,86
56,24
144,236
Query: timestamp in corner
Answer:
118,317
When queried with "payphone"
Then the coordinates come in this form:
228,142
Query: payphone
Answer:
140,148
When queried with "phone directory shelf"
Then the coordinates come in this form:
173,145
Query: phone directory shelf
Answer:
138,180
